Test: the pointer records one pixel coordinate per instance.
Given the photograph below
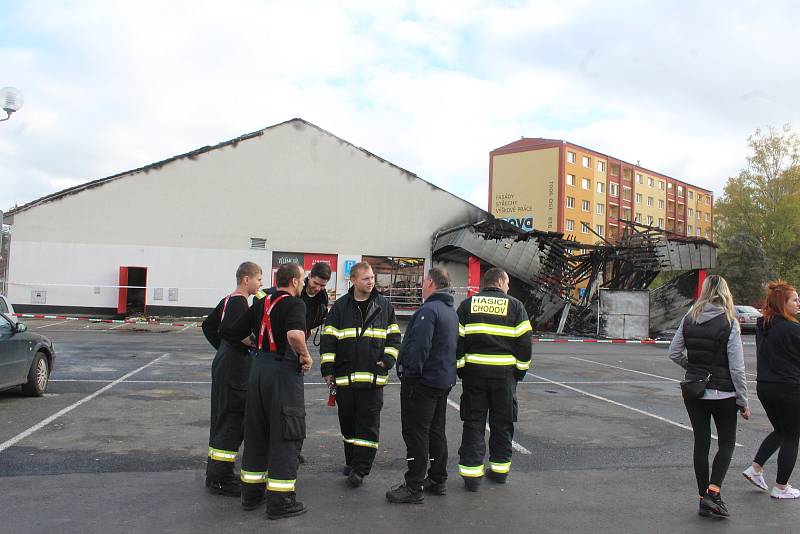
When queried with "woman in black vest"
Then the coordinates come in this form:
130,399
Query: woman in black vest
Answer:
714,363
778,350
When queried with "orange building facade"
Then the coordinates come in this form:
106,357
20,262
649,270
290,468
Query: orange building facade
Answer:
554,185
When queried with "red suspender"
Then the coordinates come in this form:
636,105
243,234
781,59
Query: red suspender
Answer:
225,305
266,325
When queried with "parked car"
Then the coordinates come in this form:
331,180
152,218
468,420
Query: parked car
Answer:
26,358
747,317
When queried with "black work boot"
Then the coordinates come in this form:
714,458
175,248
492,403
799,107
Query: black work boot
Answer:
228,487
347,470
281,505
405,494
355,480
499,478
300,458
437,488
472,483
252,496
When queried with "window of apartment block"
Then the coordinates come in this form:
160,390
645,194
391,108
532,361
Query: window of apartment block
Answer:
601,166
708,217
661,204
691,229
639,178
638,198
570,179
614,190
650,220
601,208
586,205
708,234
690,193
669,185
699,215
601,187
708,201
614,170
680,190
626,214
650,201
599,229
626,193
570,224
571,157
587,162
650,182
690,212
638,217
661,185
586,184
661,222
570,202
584,228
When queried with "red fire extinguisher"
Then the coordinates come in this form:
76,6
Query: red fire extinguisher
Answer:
332,395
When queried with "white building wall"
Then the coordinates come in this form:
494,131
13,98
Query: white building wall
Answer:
190,220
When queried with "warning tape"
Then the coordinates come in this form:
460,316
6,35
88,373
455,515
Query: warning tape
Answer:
98,320
612,341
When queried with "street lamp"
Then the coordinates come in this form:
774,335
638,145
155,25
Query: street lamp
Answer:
10,100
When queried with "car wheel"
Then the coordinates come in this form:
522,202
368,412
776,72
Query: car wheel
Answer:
38,375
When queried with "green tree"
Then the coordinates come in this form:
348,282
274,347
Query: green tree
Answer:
763,202
745,266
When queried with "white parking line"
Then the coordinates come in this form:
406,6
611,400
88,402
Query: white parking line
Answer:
187,327
624,369
51,324
43,423
514,445
620,404
118,326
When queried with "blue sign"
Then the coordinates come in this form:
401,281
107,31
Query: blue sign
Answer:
348,264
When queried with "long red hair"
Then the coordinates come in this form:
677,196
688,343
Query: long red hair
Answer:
778,293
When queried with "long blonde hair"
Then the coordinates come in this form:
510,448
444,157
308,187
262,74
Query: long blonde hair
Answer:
714,291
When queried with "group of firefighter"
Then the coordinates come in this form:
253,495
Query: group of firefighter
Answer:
257,391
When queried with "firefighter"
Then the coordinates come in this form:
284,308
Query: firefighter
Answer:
315,297
494,353
360,343
229,373
275,414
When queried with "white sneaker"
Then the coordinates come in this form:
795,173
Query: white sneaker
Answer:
756,478
787,493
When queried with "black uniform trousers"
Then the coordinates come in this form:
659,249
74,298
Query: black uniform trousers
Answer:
422,415
275,422
360,423
497,398
229,373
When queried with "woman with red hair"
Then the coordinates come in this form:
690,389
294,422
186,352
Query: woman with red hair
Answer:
778,387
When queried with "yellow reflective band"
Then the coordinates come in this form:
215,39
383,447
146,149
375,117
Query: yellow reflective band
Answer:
468,471
253,477
497,330
342,381
222,456
280,485
462,331
460,363
391,351
261,294
363,443
377,333
393,329
523,366
347,440
381,380
361,377
491,359
328,357
501,468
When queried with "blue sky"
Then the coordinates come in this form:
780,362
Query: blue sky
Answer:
430,86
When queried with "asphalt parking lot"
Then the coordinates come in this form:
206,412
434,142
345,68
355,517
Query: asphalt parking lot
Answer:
118,444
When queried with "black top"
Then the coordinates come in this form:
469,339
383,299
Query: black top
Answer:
778,355
214,330
707,350
316,307
363,305
288,314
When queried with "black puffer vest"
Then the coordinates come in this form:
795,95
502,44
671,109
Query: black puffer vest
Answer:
707,350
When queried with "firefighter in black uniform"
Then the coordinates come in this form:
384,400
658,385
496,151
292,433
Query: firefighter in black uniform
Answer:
229,372
315,297
494,353
360,343
275,414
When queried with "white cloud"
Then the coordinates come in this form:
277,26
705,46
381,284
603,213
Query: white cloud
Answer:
430,86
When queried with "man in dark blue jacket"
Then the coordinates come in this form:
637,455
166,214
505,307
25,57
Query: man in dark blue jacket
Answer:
427,370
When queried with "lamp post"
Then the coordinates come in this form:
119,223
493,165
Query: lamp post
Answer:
11,101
